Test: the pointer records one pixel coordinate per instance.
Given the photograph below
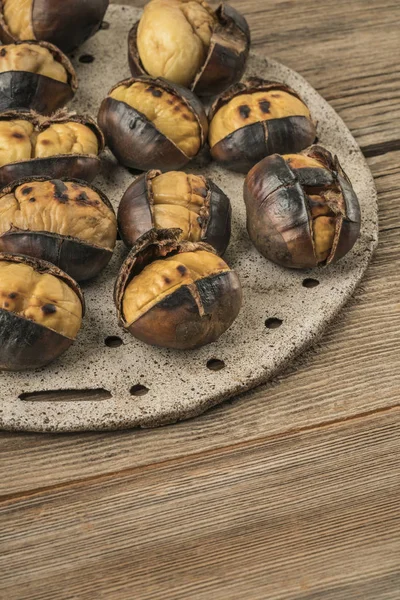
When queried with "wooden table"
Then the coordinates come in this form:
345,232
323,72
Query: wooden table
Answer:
288,492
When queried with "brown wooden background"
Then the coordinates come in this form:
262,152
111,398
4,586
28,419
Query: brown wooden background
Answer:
288,492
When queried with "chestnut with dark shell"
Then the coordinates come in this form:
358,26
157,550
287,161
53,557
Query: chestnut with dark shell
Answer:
192,315
242,149
64,23
136,212
32,91
76,166
25,344
226,58
81,259
302,211
135,141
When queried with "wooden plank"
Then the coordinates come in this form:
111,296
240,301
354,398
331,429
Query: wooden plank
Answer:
356,370
301,517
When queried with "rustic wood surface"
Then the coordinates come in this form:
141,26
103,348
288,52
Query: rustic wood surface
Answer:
288,492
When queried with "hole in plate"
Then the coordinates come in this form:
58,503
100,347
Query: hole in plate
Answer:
310,282
139,390
215,364
86,58
105,25
67,395
273,323
113,341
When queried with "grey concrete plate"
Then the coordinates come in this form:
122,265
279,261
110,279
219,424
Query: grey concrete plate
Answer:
143,386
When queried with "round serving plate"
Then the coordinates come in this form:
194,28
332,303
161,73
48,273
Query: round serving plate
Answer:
138,385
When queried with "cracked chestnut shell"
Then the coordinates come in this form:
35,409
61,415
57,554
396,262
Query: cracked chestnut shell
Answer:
41,310
257,118
64,221
216,51
192,203
176,294
64,23
23,84
302,211
153,124
63,145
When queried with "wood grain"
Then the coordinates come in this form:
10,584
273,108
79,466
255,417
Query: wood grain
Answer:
287,492
311,516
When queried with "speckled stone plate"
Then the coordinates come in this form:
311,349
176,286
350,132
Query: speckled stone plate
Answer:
138,385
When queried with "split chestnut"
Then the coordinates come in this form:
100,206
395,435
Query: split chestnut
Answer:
41,310
302,210
176,199
176,294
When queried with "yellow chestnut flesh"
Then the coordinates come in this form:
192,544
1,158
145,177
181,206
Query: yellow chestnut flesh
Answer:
80,214
18,17
162,278
168,113
323,218
19,140
174,37
246,109
178,200
40,297
32,58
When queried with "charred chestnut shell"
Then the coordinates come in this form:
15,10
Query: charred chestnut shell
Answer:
248,144
64,23
81,258
133,138
136,211
226,58
26,344
191,316
302,210
76,166
32,91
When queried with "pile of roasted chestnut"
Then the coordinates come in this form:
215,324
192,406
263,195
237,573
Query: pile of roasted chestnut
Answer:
173,290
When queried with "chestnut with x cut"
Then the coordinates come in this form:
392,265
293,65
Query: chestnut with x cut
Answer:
176,199
41,310
302,211
176,294
65,23
35,76
153,124
188,43
63,145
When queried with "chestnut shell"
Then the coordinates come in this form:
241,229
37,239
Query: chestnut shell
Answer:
64,23
242,149
135,213
76,166
278,219
31,91
135,141
79,259
227,56
26,344
176,321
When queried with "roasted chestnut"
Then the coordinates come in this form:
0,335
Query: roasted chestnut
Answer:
301,209
65,23
41,310
257,118
153,124
36,76
176,294
63,145
64,221
176,199
186,42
